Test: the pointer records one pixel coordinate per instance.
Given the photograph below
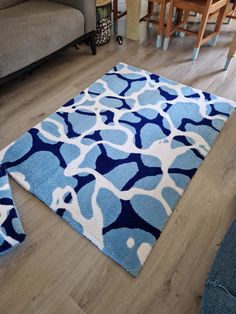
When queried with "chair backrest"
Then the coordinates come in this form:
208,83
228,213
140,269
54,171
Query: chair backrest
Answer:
209,2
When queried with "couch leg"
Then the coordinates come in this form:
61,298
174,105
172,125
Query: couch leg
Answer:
93,42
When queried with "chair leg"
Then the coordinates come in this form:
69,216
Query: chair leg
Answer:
231,52
219,22
182,34
147,18
115,16
150,8
234,8
229,16
185,21
213,41
227,63
195,53
179,17
160,27
200,36
229,20
168,26
159,41
166,43
174,15
115,11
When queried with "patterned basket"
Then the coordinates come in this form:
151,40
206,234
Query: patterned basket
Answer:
103,31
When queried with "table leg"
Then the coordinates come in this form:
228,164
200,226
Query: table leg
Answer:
133,16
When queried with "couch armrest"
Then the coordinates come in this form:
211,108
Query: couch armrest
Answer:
88,8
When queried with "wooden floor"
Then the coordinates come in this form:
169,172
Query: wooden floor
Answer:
58,271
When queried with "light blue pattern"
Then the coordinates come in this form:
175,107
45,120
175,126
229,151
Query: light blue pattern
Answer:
128,256
114,136
170,196
84,196
150,209
81,121
110,206
151,133
128,170
114,161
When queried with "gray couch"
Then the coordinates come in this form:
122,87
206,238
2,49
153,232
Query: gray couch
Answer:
31,30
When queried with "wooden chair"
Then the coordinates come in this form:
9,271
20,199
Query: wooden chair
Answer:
204,7
161,22
231,53
230,13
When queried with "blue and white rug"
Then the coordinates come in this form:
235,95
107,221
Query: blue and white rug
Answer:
115,160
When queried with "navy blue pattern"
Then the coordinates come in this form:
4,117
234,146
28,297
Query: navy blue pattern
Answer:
114,161
11,231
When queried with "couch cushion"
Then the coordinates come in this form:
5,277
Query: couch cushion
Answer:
88,8
4,4
34,29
